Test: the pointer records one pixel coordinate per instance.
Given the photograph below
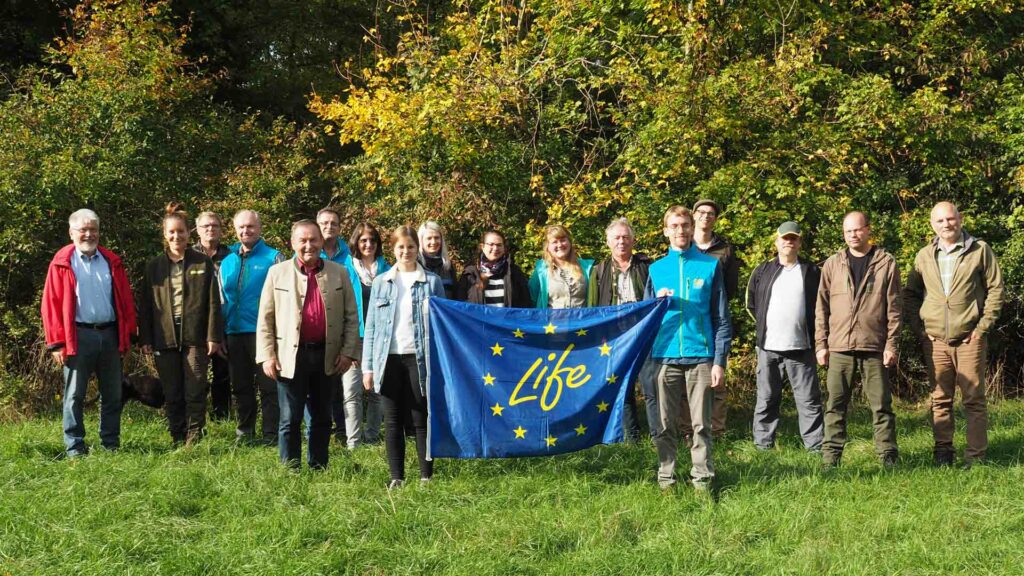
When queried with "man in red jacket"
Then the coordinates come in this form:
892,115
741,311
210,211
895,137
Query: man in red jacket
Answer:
89,318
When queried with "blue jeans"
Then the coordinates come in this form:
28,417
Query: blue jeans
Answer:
97,354
309,389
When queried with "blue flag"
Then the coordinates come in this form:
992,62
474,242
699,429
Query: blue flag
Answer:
506,382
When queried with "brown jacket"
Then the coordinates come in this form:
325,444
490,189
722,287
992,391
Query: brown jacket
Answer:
201,320
975,293
280,315
865,321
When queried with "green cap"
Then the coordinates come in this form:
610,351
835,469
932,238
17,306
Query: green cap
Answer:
789,229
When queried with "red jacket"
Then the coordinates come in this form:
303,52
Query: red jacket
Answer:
59,301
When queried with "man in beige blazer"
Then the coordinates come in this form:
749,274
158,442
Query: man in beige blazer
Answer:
307,331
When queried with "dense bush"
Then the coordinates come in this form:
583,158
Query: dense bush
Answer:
481,113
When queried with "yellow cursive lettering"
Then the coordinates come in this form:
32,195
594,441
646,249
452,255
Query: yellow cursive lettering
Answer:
559,378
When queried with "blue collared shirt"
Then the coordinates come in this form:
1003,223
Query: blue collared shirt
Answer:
93,288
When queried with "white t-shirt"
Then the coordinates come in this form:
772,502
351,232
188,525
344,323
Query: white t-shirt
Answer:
786,321
403,335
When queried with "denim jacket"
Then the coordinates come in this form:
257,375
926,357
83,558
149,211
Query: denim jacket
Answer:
379,327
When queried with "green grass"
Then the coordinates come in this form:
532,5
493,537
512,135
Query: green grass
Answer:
217,509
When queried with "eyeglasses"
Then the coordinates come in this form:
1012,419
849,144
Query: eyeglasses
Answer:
675,227
706,213
494,244
208,226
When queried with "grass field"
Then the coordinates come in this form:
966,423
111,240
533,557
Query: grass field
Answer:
217,509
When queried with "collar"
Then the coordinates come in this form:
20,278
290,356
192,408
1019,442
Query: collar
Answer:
304,270
421,274
960,243
83,256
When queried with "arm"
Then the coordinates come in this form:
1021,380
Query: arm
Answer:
534,286
52,311
913,297
732,273
215,322
266,322
592,288
721,323
350,345
994,296
821,315
752,293
894,307
369,329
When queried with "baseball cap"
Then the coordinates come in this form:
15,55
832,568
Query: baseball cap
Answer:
789,229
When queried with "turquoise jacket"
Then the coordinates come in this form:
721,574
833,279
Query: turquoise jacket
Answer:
241,283
340,257
697,326
357,285
539,281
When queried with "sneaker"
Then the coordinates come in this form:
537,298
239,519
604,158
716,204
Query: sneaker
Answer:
395,484
828,462
424,482
702,486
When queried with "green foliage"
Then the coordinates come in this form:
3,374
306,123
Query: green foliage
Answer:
577,113
120,122
218,509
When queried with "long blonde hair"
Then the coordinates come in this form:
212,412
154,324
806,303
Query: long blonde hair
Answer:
559,231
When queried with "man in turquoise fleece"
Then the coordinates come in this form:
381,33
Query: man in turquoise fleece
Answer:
691,347
242,274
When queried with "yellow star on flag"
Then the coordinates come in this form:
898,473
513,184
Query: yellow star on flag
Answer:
606,349
518,333
497,409
551,441
550,328
581,332
613,379
581,429
520,432
489,380
602,407
496,349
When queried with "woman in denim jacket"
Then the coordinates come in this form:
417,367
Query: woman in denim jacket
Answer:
394,351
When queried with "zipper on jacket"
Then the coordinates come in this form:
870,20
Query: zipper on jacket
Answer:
682,301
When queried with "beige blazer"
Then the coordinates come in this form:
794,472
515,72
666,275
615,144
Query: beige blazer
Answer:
280,315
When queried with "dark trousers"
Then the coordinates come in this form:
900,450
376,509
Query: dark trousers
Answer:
183,377
310,391
220,388
246,375
843,367
405,407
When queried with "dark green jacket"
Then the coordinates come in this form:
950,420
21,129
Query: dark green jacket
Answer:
601,288
201,320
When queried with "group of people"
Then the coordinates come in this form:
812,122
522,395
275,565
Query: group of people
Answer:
317,336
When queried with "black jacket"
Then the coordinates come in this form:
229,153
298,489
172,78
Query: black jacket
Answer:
599,292
517,289
201,319
759,294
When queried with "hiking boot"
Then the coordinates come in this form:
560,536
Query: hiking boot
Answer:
889,460
943,458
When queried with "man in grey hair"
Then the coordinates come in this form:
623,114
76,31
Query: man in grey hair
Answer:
88,318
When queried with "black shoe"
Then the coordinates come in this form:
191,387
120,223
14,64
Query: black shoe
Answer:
889,460
944,458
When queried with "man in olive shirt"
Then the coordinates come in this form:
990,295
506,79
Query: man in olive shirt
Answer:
953,297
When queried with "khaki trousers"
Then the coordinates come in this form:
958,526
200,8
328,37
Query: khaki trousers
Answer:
718,411
958,366
676,382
